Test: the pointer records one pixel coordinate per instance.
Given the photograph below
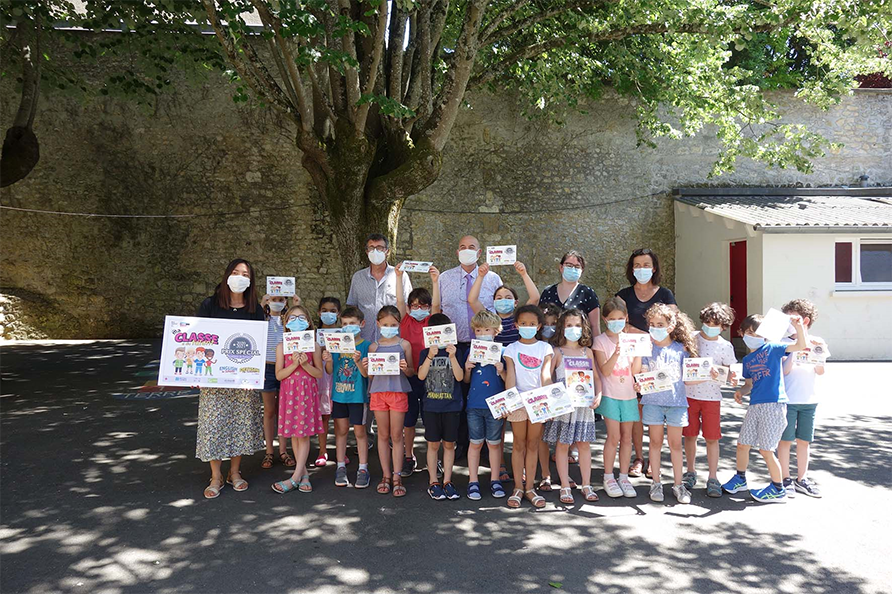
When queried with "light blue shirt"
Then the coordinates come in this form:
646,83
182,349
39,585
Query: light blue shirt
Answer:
454,297
370,295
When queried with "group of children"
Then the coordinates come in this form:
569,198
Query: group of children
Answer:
540,346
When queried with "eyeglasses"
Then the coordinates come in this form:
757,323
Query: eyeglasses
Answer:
574,266
375,248
292,318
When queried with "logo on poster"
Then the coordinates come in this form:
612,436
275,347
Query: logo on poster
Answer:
240,348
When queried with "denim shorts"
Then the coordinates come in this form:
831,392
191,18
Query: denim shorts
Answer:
481,426
800,422
674,416
270,383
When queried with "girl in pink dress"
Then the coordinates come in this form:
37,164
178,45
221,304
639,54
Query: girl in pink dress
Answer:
299,414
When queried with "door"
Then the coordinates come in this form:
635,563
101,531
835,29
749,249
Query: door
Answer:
738,283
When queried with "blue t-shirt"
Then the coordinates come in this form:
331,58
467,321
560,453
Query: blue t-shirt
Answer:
670,357
765,367
348,386
442,392
485,382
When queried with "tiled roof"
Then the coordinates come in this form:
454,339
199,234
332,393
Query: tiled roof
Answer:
800,209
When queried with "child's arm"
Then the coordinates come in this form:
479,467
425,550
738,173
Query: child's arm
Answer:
599,389
313,363
635,365
510,377
788,365
425,366
469,369
474,295
555,361
362,363
405,366
744,390
801,336
283,372
528,283
545,374
435,290
456,364
327,361
400,302
606,365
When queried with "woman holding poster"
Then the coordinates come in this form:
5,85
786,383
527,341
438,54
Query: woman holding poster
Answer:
230,420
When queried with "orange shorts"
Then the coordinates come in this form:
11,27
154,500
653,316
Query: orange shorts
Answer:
706,414
395,401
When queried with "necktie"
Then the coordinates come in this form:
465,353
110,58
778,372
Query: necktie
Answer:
468,282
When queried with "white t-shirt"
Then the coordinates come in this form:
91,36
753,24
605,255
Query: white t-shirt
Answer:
800,383
528,360
722,353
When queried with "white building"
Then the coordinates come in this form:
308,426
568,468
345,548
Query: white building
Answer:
758,248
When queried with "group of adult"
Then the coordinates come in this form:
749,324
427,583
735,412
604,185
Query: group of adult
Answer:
230,420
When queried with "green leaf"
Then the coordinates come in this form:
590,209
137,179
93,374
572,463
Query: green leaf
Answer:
557,585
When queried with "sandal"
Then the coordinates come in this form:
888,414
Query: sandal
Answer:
321,460
398,489
238,485
516,499
567,496
304,485
267,461
285,486
537,500
287,460
384,486
496,489
545,485
212,491
503,474
589,493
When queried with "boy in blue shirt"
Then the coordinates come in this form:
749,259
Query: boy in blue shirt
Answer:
766,417
442,370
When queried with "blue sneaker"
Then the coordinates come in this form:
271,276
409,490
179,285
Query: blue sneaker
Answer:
474,491
451,491
736,484
436,492
770,494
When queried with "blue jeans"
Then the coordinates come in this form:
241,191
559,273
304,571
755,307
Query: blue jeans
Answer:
482,426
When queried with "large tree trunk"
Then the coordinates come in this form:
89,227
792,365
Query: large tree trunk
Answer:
21,151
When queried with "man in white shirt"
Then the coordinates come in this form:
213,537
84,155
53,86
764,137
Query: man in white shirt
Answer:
455,284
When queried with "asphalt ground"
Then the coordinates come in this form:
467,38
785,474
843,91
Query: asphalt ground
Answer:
100,492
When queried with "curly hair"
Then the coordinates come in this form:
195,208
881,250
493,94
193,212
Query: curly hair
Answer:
802,307
585,340
717,313
682,326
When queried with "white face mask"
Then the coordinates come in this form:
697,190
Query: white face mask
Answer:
238,283
276,306
467,257
376,257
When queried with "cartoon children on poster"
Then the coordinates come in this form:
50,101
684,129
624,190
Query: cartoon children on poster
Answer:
199,360
208,361
179,360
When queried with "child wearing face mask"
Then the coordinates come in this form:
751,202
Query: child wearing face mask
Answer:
415,311
527,366
274,306
705,397
673,339
299,416
390,399
329,308
504,301
619,406
552,313
766,418
572,342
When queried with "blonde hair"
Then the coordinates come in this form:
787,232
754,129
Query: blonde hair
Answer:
682,326
486,319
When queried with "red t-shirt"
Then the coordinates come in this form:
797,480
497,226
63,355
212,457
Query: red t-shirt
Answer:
411,330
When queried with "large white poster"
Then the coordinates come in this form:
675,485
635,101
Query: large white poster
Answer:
212,353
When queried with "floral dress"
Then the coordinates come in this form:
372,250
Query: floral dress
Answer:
230,423
299,412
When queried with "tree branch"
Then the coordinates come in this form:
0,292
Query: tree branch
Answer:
395,52
335,79
372,64
500,17
527,22
409,56
348,46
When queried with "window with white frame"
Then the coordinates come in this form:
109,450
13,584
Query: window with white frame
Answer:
864,263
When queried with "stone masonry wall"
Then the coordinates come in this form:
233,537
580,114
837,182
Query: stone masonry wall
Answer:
507,180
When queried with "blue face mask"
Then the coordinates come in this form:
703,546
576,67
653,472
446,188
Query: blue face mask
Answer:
389,331
528,332
616,326
642,275
548,331
753,342
297,325
571,275
486,337
420,314
504,306
353,329
711,331
573,333
658,334
328,318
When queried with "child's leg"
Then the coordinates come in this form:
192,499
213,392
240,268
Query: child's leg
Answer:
323,437
743,457
534,435
409,441
613,437
585,462
495,456
342,428
675,453
396,436
474,450
655,435
544,462
301,448
802,454
433,451
448,460
270,418
712,457
362,444
519,452
690,453
773,465
382,417
625,447
783,456
562,461
638,433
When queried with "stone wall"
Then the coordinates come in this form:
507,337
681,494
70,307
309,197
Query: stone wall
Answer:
507,180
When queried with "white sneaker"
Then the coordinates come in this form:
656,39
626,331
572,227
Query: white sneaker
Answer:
656,492
681,493
612,487
627,487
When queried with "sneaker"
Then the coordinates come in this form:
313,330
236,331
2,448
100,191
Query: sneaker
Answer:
451,491
805,487
409,465
612,487
788,487
363,478
635,469
689,479
736,484
436,492
627,487
474,491
341,477
682,495
770,494
713,488
656,492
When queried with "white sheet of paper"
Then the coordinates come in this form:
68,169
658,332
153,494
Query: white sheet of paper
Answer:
340,342
501,255
439,335
635,345
384,364
414,266
547,402
299,342
280,286
487,352
697,369
774,325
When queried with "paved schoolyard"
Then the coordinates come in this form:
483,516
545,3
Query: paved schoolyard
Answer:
103,494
